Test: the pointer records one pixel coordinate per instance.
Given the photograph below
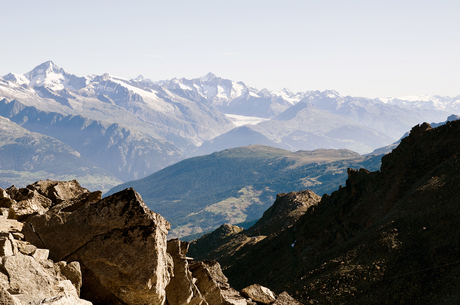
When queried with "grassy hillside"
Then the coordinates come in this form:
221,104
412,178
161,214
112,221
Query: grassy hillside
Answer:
239,184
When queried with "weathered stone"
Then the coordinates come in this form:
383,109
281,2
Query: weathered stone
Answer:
58,191
33,282
10,225
4,212
8,245
284,212
208,286
285,299
119,242
26,194
6,298
213,285
3,194
71,271
181,290
259,294
40,254
26,248
26,202
6,202
17,235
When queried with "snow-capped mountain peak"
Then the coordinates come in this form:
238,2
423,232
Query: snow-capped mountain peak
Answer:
18,79
44,69
208,77
53,77
139,79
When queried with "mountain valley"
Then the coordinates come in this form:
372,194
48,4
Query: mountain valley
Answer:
237,185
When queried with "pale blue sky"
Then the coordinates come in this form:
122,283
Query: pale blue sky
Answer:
359,48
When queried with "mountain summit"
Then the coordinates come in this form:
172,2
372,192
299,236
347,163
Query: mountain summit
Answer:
208,77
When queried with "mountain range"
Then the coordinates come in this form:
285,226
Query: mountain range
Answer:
134,127
387,237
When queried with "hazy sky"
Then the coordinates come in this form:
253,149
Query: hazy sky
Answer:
360,48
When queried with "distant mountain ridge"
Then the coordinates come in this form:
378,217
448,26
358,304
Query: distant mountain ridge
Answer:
197,103
28,156
238,184
178,118
126,152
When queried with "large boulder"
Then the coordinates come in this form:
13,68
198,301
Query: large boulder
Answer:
24,202
182,289
27,276
119,242
26,280
58,191
259,293
213,284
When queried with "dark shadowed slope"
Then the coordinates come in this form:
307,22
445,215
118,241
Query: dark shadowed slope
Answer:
390,236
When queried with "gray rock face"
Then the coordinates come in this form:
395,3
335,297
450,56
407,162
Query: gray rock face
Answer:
28,277
112,250
58,192
32,281
108,237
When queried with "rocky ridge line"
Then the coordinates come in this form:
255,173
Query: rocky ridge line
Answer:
113,250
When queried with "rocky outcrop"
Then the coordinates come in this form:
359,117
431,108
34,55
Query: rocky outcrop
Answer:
27,276
389,236
259,294
284,212
230,241
182,289
113,250
109,237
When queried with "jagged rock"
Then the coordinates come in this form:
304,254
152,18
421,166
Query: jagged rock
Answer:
213,284
71,271
26,248
5,203
285,299
181,290
8,245
119,242
213,241
25,202
284,212
35,282
259,294
3,194
58,191
41,254
10,225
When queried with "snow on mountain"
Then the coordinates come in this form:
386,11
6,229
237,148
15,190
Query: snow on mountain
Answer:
240,120
17,79
446,103
306,127
188,112
52,77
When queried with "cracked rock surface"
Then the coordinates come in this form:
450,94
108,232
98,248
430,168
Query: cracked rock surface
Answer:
119,242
